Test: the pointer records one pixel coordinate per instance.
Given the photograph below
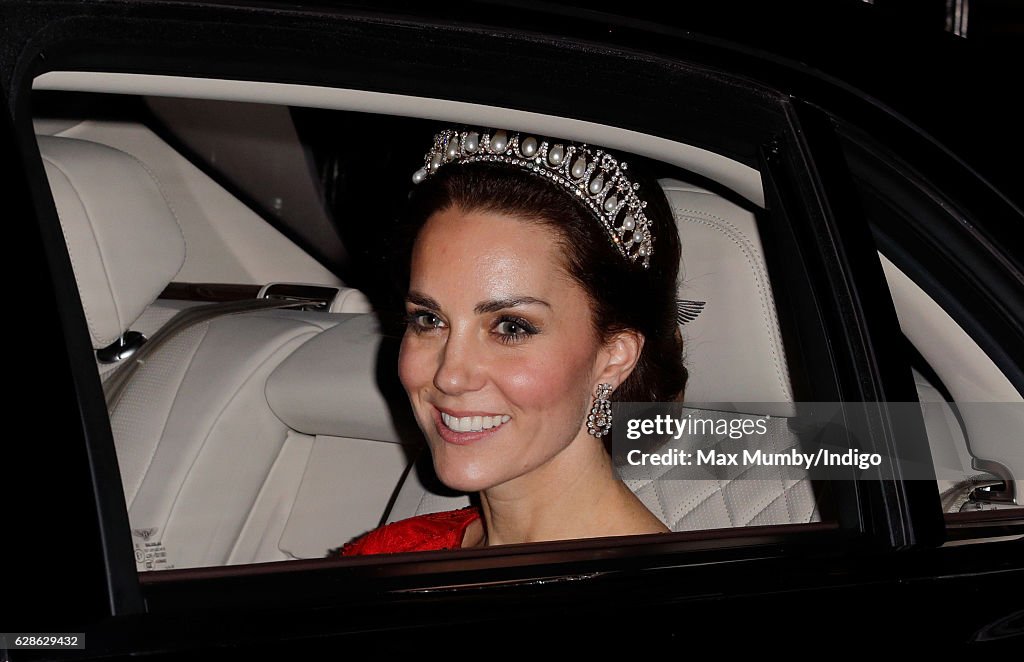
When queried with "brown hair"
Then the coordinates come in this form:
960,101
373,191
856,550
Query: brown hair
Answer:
623,295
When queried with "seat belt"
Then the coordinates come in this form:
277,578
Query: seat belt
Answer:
114,385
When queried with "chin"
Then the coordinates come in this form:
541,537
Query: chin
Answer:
461,478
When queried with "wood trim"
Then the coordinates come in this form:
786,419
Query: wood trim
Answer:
210,291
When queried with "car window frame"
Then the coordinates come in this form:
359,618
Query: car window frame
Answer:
964,245
49,488
839,228
130,595
954,243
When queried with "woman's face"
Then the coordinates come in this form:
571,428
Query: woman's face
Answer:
500,359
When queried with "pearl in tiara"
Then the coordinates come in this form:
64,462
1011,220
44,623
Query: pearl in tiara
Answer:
594,177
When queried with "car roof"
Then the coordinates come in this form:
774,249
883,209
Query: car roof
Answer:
900,58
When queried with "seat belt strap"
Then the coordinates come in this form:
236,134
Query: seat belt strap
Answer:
114,385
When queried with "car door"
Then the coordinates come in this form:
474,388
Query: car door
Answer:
881,547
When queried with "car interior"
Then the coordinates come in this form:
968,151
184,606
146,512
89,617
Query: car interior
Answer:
278,430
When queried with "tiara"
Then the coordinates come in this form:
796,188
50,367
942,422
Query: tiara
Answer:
595,177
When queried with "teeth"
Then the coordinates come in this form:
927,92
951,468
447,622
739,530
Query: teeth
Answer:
473,423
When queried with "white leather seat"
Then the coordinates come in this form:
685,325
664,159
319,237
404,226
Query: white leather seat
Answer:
211,474
264,436
341,390
981,391
734,353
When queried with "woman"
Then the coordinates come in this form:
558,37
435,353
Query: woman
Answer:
542,286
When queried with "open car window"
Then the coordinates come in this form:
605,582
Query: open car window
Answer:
282,433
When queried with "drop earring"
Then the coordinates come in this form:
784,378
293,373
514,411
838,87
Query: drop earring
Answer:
599,423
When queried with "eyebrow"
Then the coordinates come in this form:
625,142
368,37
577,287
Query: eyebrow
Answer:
420,299
492,306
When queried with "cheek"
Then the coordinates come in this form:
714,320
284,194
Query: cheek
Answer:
413,364
550,382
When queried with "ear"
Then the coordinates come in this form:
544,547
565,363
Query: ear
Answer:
619,356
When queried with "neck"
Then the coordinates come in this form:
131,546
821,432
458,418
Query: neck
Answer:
574,495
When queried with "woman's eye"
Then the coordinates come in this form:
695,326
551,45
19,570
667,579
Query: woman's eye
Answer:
510,328
422,321
513,330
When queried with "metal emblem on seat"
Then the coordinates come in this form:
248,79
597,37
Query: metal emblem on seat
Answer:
687,310
145,534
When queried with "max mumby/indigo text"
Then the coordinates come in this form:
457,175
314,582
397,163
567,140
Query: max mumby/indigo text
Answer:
792,458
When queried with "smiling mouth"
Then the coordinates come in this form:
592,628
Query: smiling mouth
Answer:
473,423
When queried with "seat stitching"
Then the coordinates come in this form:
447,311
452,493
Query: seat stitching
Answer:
659,494
419,506
747,469
643,482
167,416
216,421
768,505
705,499
785,489
163,194
760,280
289,435
71,256
775,440
785,493
730,481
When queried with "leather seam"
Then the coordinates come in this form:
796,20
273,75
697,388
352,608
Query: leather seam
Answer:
216,421
167,201
659,499
716,491
769,504
775,440
760,280
289,435
102,342
167,416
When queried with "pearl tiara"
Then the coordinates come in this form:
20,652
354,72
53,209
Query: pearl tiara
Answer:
595,177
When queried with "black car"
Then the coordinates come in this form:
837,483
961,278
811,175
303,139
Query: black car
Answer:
212,187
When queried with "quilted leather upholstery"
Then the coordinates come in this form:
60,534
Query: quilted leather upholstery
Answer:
745,496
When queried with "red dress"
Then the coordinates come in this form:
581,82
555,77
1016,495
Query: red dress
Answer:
415,534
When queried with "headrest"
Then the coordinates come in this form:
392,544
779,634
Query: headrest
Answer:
733,348
333,385
122,236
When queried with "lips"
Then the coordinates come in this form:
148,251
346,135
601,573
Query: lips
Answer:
468,427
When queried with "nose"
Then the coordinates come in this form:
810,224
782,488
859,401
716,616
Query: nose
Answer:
459,368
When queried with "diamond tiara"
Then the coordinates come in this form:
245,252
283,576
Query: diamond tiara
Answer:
594,177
